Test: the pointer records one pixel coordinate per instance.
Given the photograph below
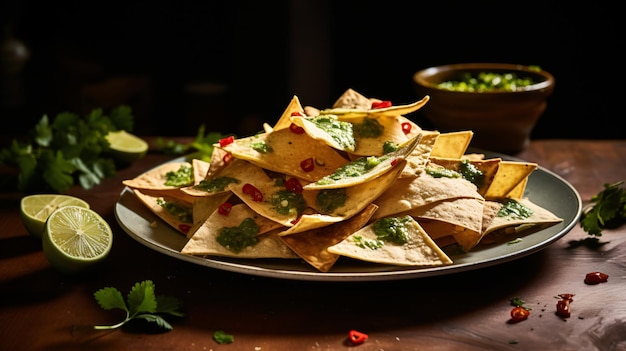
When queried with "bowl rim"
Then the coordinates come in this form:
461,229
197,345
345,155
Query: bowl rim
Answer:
421,76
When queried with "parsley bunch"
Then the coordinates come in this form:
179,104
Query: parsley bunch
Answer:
608,210
66,150
141,303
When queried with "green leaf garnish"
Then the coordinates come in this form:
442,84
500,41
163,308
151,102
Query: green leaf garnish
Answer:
141,303
607,211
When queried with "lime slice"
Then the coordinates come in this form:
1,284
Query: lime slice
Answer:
75,239
35,209
126,147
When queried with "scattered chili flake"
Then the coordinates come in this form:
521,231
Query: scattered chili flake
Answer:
227,140
227,158
295,221
224,209
562,306
251,190
307,165
293,185
381,104
297,113
356,337
596,278
296,129
394,162
406,127
519,314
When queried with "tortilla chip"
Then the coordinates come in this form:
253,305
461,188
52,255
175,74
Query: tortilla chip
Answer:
312,245
204,240
237,170
418,159
385,164
420,250
508,176
452,144
285,119
488,168
179,221
204,206
539,215
155,178
289,150
355,105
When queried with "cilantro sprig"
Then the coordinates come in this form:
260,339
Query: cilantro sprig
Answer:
202,145
141,304
66,150
607,210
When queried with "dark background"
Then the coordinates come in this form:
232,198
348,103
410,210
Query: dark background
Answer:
232,65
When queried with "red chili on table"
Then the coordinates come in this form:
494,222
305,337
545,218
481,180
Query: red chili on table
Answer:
251,190
357,337
596,278
562,306
519,313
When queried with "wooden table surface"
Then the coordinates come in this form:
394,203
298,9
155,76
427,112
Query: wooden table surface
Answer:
42,309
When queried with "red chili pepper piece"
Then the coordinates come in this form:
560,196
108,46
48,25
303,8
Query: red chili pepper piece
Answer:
224,209
596,278
307,165
293,185
357,337
562,306
227,158
406,127
227,140
381,104
297,113
184,228
519,314
295,221
296,129
251,190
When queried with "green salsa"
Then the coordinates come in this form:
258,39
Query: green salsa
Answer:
514,209
261,147
215,184
329,200
340,131
369,128
367,243
182,177
441,172
470,172
286,202
487,81
180,212
237,238
393,229
353,169
390,146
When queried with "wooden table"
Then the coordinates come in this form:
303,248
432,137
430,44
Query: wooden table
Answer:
42,309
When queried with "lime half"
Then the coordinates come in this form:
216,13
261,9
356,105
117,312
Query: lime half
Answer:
126,147
35,209
76,238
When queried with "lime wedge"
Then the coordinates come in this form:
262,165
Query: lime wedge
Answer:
75,239
35,209
126,147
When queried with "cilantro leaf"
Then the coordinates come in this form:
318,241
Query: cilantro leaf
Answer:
607,210
141,303
222,338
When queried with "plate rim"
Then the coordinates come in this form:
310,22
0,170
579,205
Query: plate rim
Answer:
244,267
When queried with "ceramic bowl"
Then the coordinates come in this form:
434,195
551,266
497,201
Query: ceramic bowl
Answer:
502,120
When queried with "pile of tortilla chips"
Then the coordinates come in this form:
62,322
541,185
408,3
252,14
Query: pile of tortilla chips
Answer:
358,180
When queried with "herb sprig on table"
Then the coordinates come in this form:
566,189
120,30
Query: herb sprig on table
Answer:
66,150
141,304
607,210
202,145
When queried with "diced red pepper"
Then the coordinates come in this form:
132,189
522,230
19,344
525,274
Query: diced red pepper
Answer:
293,185
297,113
296,129
356,337
224,209
596,278
227,158
381,104
562,306
227,140
406,127
308,165
519,313
251,190
184,228
295,221
394,161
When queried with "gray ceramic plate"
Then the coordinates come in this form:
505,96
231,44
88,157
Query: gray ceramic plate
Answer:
544,188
